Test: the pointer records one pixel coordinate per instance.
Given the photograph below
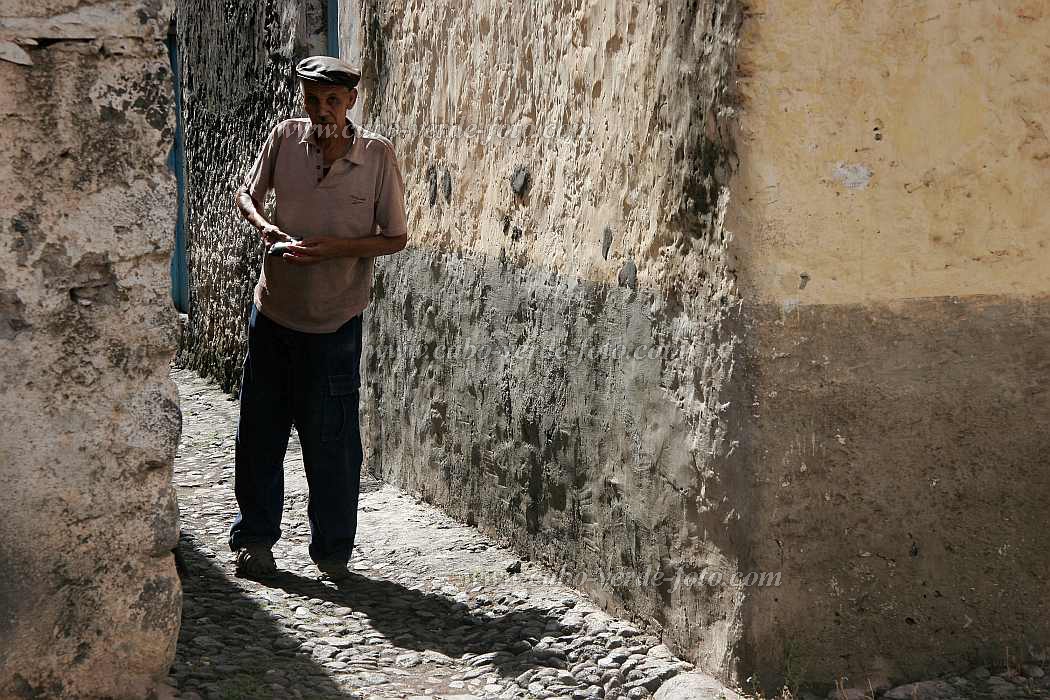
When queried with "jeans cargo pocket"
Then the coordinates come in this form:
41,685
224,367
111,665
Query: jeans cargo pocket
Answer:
342,389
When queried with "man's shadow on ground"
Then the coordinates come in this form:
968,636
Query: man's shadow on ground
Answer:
423,621
410,618
228,648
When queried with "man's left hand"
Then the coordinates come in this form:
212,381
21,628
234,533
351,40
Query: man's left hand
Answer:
314,250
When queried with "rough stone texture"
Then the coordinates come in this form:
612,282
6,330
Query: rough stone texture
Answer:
889,218
89,599
238,82
577,205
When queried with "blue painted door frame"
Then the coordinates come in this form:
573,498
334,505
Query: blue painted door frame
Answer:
333,28
180,282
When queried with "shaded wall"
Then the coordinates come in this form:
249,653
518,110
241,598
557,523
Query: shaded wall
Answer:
238,82
550,357
889,216
89,598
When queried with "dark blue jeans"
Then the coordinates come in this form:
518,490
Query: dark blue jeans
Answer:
311,380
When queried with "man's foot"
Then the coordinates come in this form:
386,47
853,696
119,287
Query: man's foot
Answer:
255,561
333,570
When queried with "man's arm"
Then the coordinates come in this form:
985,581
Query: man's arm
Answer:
374,246
257,182
314,250
249,209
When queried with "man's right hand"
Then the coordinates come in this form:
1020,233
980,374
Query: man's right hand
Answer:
271,234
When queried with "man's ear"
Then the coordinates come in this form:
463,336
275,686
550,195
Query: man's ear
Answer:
353,98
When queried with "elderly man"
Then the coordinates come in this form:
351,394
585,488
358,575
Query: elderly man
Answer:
339,203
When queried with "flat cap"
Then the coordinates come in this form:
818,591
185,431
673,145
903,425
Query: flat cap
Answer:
326,69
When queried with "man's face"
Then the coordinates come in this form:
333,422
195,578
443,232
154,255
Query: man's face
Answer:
327,104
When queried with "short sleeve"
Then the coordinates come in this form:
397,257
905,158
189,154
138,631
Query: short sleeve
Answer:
259,179
390,198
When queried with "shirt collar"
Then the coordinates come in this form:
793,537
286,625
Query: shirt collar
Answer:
356,152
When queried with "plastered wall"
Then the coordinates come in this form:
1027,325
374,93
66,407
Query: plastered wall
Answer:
892,150
891,244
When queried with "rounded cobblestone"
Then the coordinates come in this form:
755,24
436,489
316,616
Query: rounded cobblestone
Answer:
422,615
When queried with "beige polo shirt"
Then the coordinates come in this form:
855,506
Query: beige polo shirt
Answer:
362,195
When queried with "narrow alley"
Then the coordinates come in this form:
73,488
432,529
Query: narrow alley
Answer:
431,612
691,349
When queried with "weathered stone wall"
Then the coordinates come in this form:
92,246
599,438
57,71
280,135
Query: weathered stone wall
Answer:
89,599
890,216
565,167
859,421
238,82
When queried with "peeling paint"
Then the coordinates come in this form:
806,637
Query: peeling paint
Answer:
854,176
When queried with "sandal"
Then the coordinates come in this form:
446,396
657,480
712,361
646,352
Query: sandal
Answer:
333,570
255,561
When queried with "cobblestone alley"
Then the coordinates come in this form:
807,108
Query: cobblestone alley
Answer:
432,610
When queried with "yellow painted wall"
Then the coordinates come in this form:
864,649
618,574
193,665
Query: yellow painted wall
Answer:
945,104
